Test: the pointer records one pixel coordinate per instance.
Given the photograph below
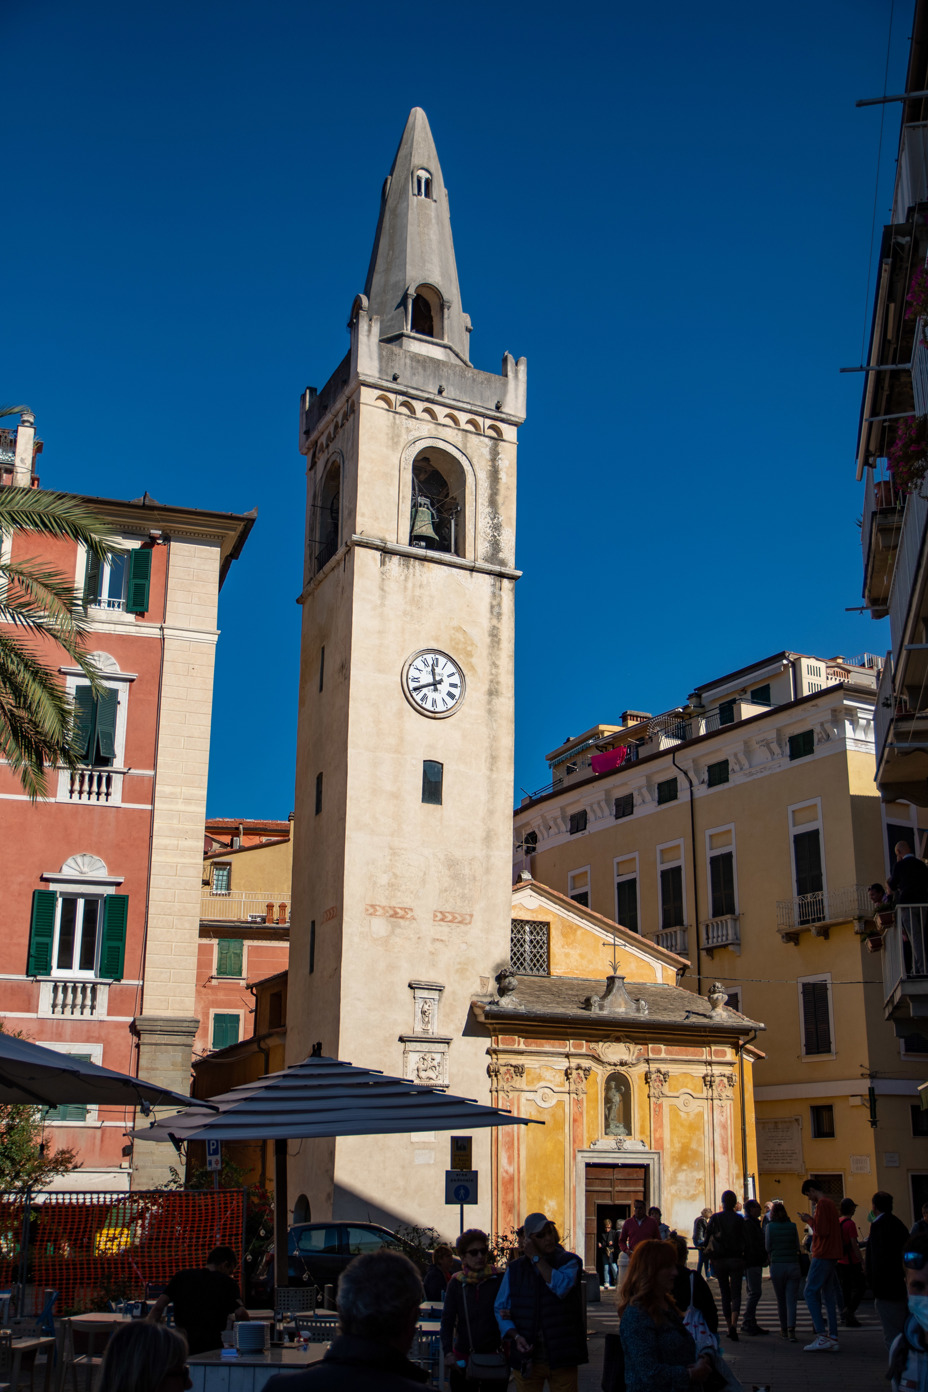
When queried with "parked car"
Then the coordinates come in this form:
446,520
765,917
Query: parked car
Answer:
317,1253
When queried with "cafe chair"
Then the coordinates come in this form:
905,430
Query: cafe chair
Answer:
82,1356
427,1352
319,1329
292,1300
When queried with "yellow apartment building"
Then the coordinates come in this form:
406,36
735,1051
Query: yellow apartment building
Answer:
741,831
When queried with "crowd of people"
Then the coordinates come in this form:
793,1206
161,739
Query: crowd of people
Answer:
527,1319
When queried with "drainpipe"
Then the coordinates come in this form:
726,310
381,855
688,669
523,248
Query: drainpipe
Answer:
673,760
744,1129
266,1053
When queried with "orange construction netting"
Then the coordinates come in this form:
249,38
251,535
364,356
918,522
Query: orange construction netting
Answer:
97,1247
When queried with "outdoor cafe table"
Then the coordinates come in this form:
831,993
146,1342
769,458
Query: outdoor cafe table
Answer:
31,1344
248,1372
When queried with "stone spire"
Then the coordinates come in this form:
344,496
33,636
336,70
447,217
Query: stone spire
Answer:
412,283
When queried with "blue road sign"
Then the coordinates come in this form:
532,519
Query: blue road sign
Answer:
214,1155
460,1186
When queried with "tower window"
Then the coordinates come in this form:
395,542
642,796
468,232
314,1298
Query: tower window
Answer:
432,777
328,508
318,793
426,313
422,183
437,496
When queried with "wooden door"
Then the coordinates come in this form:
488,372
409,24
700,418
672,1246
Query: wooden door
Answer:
608,1187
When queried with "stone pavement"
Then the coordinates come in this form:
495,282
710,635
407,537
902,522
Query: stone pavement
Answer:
772,1362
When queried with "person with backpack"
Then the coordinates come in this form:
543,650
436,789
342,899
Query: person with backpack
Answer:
908,1356
725,1243
850,1267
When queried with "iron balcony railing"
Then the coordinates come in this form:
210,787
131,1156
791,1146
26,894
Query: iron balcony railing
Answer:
832,906
906,570
905,951
245,906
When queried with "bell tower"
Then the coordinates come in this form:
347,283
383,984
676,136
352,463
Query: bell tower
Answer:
402,862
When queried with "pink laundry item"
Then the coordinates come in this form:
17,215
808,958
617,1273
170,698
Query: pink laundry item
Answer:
612,759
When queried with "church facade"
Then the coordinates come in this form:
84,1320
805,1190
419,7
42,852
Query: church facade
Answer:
401,871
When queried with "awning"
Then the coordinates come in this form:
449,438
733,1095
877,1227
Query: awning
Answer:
43,1077
325,1097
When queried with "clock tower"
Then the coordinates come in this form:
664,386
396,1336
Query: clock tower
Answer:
403,828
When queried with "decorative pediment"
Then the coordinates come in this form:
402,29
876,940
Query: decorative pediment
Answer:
90,866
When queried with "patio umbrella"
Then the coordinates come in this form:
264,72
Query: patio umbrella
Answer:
321,1097
43,1077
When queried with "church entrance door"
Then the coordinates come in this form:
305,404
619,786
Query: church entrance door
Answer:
610,1192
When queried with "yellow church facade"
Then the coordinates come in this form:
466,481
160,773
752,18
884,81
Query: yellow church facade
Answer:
643,1088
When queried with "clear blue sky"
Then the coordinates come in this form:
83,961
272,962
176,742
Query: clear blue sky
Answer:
666,209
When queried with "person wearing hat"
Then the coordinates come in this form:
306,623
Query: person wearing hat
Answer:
539,1309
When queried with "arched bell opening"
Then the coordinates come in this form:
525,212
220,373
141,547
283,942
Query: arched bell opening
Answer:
328,511
427,315
437,496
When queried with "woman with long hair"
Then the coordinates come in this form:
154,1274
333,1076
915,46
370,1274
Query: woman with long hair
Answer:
143,1357
468,1324
660,1355
782,1242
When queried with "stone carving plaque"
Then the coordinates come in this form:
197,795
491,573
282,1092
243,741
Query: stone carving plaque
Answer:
779,1145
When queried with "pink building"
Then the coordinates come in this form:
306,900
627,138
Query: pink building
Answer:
99,920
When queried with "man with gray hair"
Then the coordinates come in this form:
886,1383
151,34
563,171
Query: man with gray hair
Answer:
378,1305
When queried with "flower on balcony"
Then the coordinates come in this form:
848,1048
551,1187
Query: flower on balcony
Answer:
916,301
908,454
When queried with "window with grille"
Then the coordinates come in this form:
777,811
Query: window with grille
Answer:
667,790
624,806
722,884
717,773
577,822
823,1122
801,745
529,843
528,947
816,1018
672,897
222,879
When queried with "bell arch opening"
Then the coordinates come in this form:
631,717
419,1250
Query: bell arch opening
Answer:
427,314
437,499
328,510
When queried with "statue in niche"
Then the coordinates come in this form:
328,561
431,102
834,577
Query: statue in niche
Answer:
425,1017
617,1105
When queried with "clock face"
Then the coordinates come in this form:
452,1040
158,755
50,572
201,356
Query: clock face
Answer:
433,683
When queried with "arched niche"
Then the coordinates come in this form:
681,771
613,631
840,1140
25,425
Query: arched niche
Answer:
302,1210
443,476
617,1105
427,313
422,184
328,508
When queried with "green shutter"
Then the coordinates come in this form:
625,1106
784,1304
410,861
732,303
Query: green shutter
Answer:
113,947
42,934
139,581
106,723
91,581
225,1031
69,1111
230,956
83,720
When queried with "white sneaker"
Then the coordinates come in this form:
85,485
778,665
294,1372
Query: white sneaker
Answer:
822,1344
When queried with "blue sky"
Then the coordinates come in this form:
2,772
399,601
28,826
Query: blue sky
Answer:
666,209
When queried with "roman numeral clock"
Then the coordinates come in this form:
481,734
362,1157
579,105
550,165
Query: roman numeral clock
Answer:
433,683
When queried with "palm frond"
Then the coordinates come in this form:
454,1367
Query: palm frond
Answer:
12,410
26,684
58,515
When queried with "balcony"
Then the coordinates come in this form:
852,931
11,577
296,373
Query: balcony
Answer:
912,172
879,540
721,932
901,734
905,964
820,911
72,1000
101,787
674,940
244,906
905,572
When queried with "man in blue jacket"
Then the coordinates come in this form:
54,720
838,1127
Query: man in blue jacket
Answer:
540,1309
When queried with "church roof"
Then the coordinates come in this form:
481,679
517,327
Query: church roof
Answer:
413,245
636,1005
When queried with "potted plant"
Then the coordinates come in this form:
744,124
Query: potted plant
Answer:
908,453
916,301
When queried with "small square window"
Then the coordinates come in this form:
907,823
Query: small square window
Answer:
318,793
667,791
717,773
577,822
321,666
432,777
801,745
760,696
222,879
528,947
225,1030
624,806
823,1122
914,1044
312,946
919,1120
733,1000
727,713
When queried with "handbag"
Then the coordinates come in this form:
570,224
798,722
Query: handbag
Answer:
613,1379
486,1366
694,1322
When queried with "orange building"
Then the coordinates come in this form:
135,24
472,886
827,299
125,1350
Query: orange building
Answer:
99,917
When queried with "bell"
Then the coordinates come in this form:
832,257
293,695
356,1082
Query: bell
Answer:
422,530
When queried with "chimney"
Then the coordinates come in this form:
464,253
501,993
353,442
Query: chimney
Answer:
24,458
